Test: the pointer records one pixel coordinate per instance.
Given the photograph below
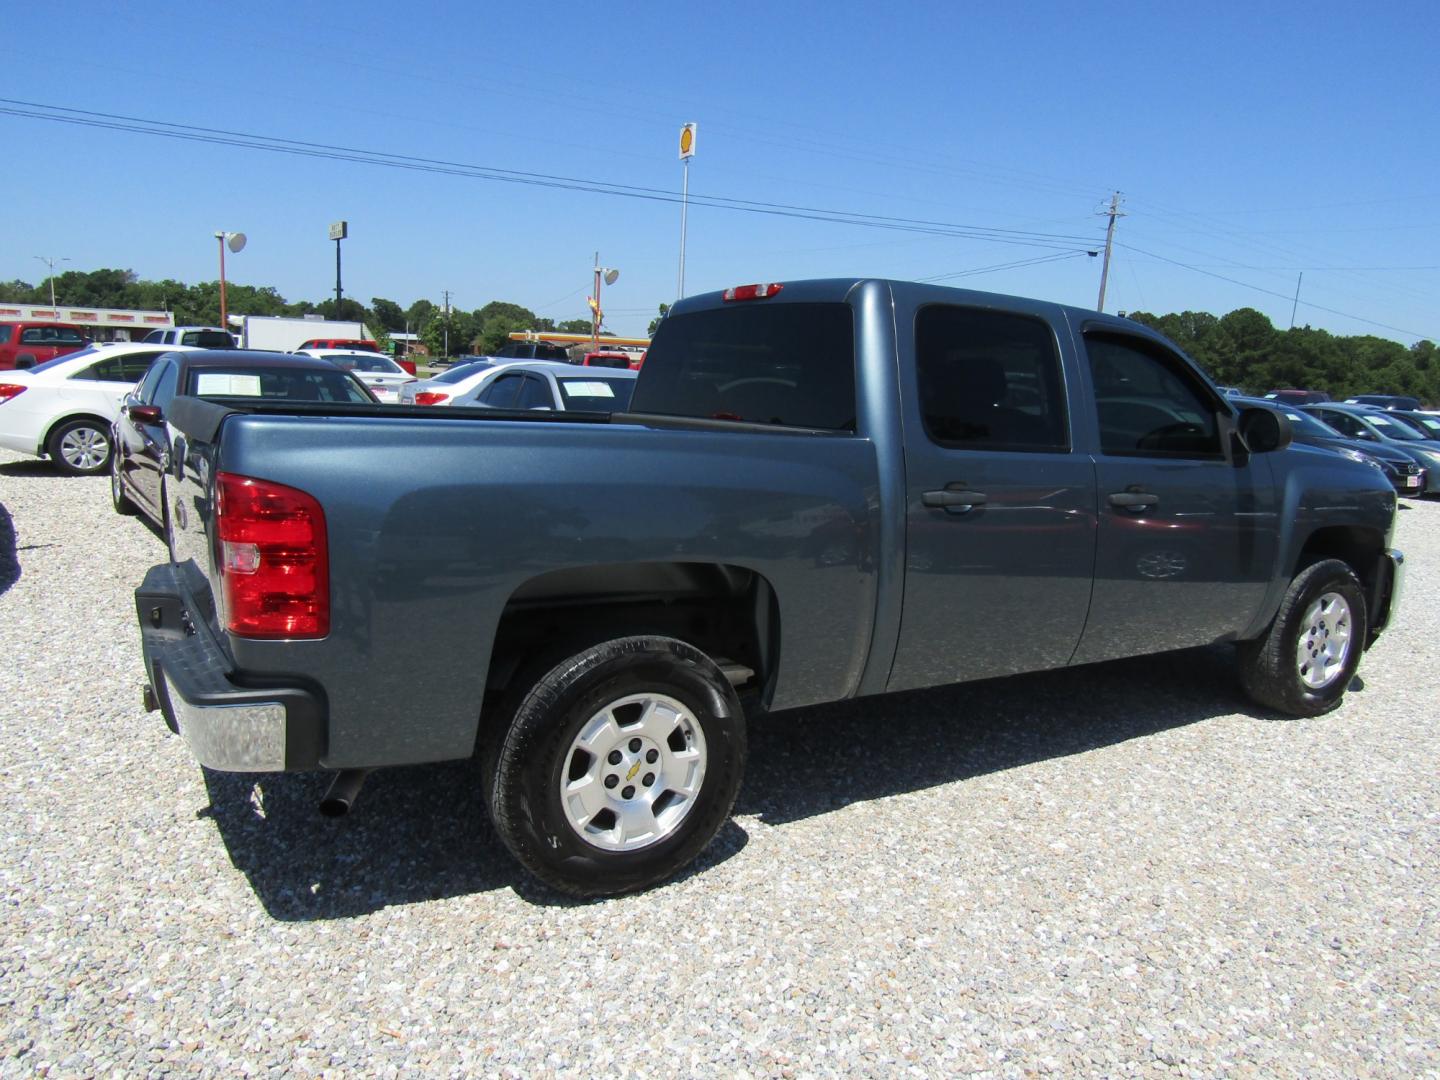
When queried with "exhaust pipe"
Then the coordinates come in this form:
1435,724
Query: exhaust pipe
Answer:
343,792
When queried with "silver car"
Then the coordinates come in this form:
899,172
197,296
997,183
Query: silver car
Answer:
527,385
382,375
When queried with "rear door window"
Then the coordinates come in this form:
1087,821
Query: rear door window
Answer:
501,393
535,394
989,380
786,364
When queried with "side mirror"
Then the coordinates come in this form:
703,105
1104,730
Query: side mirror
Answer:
1264,430
145,414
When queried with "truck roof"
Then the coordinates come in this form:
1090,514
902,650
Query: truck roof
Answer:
837,290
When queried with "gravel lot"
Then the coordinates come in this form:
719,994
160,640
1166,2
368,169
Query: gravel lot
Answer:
1121,870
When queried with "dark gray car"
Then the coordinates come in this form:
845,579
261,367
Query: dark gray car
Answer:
1373,425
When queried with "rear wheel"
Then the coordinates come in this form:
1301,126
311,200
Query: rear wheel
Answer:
1304,662
619,766
80,447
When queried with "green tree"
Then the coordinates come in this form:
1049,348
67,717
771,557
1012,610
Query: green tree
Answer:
348,311
655,322
388,314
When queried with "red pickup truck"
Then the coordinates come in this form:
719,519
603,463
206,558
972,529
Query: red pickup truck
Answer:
25,344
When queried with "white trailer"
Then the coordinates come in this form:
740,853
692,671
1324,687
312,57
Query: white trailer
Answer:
284,334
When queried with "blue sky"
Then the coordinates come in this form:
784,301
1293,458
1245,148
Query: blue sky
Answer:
1252,142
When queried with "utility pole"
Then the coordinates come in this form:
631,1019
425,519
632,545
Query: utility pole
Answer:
50,261
1297,299
447,322
1113,213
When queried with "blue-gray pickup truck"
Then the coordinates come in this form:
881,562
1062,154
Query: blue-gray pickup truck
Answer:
822,489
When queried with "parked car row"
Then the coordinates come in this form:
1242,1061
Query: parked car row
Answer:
1407,475
1400,430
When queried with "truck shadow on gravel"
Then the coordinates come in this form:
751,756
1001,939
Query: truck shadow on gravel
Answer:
816,760
422,833
9,552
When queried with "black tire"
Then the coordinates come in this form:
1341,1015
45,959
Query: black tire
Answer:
1273,669
540,751
80,447
118,499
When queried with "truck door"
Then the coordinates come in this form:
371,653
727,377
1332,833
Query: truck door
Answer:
1188,530
1000,509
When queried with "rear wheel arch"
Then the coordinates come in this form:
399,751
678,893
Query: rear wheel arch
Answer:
728,612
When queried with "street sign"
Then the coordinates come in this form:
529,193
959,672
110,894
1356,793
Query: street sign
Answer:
687,141
339,230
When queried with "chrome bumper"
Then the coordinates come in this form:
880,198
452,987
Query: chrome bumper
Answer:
229,738
229,727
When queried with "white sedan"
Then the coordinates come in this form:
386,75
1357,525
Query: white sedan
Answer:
530,385
382,375
64,408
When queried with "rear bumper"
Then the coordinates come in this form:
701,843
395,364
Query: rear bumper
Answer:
228,726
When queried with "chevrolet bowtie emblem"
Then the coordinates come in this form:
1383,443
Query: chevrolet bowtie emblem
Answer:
633,770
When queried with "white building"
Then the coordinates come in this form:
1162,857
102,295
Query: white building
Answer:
103,324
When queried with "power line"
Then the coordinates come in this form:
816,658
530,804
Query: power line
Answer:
1272,292
301,148
1036,261
1202,224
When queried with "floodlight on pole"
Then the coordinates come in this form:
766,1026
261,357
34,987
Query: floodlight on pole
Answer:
50,261
608,276
235,241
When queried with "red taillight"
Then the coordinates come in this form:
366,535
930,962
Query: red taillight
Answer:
274,559
752,292
430,397
9,390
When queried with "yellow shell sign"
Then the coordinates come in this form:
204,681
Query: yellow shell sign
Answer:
687,141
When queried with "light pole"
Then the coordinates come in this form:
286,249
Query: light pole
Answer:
339,230
236,242
50,261
687,151
608,276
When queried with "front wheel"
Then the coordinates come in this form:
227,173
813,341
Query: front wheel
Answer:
619,766
1304,662
80,447
118,499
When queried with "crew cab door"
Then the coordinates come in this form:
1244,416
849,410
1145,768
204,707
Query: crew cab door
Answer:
1000,509
1188,529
